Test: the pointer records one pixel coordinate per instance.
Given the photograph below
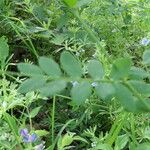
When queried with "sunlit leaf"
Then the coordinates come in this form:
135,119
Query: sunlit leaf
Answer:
70,3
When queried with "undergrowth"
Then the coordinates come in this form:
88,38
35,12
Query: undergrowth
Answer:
74,74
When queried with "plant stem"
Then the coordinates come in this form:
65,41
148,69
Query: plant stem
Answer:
89,31
30,120
53,119
30,45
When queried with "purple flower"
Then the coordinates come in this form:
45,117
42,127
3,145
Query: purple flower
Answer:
28,138
24,132
145,41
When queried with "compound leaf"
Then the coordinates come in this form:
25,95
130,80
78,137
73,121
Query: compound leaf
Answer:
71,65
29,69
81,92
121,68
50,67
95,69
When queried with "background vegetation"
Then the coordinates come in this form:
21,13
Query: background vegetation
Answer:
75,74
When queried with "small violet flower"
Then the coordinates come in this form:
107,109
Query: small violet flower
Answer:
24,132
28,138
145,41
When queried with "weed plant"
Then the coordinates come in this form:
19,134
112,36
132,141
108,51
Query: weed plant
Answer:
75,74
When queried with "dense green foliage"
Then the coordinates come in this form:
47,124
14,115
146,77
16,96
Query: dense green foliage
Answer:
75,74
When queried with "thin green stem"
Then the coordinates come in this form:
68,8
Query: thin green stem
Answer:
30,120
53,119
89,31
30,45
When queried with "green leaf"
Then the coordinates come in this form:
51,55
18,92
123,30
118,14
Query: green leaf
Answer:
138,73
29,69
62,21
144,146
39,11
34,112
59,39
81,92
81,3
141,87
12,124
70,3
121,142
31,85
143,106
105,91
71,65
78,138
4,49
121,68
41,132
146,57
125,97
67,139
50,67
101,146
53,88
95,69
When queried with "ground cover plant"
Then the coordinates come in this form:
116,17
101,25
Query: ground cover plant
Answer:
75,74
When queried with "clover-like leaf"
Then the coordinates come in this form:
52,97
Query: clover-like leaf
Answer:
52,88
50,67
95,69
29,69
121,68
31,84
81,92
105,91
71,65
